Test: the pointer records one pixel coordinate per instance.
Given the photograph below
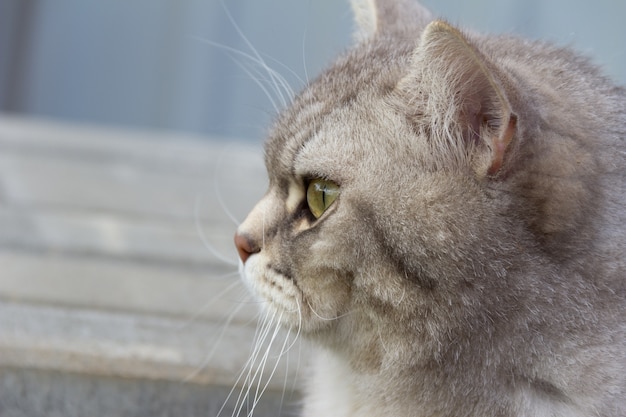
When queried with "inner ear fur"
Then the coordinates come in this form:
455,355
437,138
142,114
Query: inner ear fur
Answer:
462,92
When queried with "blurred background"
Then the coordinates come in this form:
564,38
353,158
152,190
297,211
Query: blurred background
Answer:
130,148
161,64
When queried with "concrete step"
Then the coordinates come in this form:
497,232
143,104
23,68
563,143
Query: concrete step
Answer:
40,393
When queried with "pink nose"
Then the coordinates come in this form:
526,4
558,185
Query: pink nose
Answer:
245,246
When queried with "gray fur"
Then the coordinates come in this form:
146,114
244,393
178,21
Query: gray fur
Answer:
474,263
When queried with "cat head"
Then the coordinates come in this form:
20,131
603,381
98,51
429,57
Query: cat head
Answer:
380,214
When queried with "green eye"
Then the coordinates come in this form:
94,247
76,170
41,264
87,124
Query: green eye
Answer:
320,195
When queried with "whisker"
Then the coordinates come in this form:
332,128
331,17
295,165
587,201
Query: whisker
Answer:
233,52
306,29
282,397
257,395
210,354
326,318
250,376
218,193
297,373
287,87
273,75
261,324
243,371
263,229
299,327
287,352
207,304
205,239
261,368
258,82
281,82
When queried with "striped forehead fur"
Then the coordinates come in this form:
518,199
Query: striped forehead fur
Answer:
371,69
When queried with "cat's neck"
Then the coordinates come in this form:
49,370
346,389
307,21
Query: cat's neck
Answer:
335,388
357,394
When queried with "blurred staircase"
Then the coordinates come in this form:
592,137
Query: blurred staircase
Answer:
111,304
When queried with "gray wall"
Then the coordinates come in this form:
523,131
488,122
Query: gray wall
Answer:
156,63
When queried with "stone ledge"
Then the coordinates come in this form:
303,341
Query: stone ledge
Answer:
131,346
122,285
42,393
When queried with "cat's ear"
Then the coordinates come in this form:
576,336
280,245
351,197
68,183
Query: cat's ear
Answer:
466,93
379,16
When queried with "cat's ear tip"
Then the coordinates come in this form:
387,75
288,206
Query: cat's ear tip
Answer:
439,25
441,29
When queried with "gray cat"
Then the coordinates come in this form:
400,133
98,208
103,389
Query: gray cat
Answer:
445,224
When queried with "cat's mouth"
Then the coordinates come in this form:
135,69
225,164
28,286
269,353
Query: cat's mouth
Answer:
275,288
